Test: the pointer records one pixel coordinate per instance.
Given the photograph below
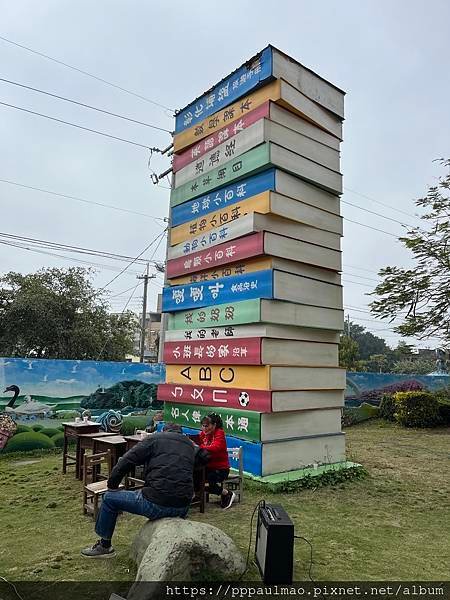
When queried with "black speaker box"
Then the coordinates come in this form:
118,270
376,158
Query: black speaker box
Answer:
274,548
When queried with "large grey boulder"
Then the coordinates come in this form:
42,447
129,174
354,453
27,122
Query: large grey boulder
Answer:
181,550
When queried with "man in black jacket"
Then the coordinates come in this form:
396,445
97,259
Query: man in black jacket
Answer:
168,461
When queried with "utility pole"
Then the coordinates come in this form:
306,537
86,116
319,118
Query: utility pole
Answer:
349,333
145,277
164,316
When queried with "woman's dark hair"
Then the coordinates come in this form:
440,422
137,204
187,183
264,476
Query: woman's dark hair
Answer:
173,427
213,419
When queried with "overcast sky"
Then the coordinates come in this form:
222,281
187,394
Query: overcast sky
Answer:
390,57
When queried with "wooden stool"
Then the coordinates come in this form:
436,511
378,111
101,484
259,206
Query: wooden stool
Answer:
94,490
85,441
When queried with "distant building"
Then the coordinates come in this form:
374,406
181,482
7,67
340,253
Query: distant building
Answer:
152,336
427,353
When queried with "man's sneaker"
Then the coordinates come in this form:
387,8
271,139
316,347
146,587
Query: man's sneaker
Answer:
228,500
98,551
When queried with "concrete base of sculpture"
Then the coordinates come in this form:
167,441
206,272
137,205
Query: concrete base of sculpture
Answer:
182,550
314,471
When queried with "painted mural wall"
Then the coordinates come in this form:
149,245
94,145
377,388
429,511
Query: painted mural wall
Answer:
63,384
359,385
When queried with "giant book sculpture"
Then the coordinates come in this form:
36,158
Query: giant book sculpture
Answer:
253,291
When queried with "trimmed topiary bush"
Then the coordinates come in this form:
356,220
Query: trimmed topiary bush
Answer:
37,427
387,407
443,398
357,414
416,409
23,442
444,410
369,411
58,439
49,431
22,428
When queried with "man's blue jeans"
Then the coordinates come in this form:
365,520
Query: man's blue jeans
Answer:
132,502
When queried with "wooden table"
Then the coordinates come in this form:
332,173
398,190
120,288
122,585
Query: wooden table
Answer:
85,441
116,444
132,440
73,430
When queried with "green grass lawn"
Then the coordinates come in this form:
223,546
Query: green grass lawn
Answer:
393,525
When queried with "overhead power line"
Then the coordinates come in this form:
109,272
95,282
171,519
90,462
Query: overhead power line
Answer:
46,244
372,212
106,112
108,135
161,235
75,249
146,124
125,291
121,315
150,216
69,258
61,121
375,321
382,203
361,277
357,309
37,189
118,300
105,81
361,269
357,283
370,227
364,310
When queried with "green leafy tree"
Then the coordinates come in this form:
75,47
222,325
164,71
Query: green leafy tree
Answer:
348,353
56,313
136,394
417,366
378,363
403,351
368,343
420,296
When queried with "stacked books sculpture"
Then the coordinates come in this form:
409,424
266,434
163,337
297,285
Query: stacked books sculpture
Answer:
253,294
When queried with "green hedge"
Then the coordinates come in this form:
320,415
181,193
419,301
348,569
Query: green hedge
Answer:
417,409
37,427
58,439
67,415
443,398
131,423
49,431
444,410
357,414
22,428
387,407
23,442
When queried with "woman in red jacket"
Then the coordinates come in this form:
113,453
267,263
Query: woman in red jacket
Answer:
212,439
